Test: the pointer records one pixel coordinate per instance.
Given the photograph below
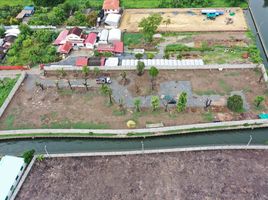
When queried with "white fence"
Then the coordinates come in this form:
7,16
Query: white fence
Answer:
164,67
163,62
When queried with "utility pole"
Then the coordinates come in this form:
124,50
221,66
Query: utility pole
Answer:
142,146
250,138
46,151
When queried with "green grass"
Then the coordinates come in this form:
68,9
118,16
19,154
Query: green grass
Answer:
5,88
132,38
227,88
206,92
9,121
208,116
15,2
67,124
127,3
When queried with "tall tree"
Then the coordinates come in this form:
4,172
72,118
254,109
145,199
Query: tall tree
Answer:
149,26
140,68
155,103
182,102
153,72
137,104
107,91
258,100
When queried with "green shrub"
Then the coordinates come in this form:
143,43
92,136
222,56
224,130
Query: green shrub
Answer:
28,156
150,55
235,103
138,56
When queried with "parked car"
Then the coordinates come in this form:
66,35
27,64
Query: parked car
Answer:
104,80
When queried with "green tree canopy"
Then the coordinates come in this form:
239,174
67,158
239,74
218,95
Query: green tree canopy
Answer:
235,103
47,3
182,102
149,26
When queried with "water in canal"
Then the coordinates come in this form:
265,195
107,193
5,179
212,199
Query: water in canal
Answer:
259,136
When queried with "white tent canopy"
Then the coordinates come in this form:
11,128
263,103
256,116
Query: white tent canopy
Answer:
13,31
114,35
113,20
111,62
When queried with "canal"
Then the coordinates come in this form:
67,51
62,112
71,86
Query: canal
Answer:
259,136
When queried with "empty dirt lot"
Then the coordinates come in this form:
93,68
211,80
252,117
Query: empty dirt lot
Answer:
33,108
232,174
188,20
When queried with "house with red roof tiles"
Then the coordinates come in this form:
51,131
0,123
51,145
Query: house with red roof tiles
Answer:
90,40
111,6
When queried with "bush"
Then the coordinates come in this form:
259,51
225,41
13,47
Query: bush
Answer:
150,55
28,156
138,56
140,68
235,103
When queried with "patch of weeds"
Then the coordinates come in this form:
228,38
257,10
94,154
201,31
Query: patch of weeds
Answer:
67,124
206,92
247,89
257,71
119,113
227,88
9,122
65,92
139,134
208,116
232,74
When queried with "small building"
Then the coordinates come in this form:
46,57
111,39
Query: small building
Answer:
11,170
96,61
61,39
26,12
103,37
114,35
81,61
112,62
118,47
90,40
65,48
105,48
12,32
111,6
112,21
75,36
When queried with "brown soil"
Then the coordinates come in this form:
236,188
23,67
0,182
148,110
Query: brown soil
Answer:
181,20
33,108
225,39
232,174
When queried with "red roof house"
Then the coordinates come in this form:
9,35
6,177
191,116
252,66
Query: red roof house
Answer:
81,61
90,40
118,47
65,48
61,39
111,6
105,48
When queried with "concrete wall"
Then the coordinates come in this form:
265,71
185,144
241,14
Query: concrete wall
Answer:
218,67
12,93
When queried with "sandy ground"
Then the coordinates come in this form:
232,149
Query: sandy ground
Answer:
33,108
232,175
181,20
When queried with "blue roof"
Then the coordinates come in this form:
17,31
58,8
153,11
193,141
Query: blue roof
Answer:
28,8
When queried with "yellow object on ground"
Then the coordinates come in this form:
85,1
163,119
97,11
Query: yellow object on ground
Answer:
131,124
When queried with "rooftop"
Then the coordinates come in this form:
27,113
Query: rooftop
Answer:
76,31
10,167
91,38
110,5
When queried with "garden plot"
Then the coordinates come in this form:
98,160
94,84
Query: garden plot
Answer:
32,107
186,19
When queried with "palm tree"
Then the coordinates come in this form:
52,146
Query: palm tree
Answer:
124,77
167,22
153,72
107,91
